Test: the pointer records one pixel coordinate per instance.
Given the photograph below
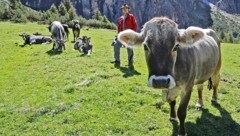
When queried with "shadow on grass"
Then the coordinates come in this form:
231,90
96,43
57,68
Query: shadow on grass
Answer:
22,45
53,53
128,72
211,125
84,55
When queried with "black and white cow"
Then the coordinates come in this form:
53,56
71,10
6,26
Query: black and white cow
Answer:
177,60
35,39
83,45
58,35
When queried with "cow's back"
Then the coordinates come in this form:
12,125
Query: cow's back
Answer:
57,30
213,34
206,57
198,61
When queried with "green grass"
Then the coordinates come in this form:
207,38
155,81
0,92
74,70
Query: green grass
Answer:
43,93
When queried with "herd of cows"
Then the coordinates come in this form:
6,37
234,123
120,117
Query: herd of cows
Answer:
59,36
177,59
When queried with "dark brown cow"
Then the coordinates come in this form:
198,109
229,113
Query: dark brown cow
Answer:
177,59
76,29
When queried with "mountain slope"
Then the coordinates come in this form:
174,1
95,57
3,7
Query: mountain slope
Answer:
184,12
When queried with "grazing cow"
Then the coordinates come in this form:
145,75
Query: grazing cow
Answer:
84,45
35,39
76,29
58,35
176,60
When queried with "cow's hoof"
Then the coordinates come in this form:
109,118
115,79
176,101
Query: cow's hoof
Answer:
173,119
199,107
214,100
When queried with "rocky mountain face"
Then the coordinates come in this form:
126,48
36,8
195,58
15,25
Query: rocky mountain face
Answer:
184,12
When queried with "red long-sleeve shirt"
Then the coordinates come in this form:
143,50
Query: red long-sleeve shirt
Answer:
129,23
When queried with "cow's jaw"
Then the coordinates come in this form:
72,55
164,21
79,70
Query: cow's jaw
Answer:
172,82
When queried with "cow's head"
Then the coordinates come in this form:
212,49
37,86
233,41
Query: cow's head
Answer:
58,44
86,40
77,26
78,44
160,38
26,38
75,21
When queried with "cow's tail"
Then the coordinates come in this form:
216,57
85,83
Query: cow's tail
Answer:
210,84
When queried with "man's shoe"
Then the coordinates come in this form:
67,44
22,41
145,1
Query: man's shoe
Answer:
115,62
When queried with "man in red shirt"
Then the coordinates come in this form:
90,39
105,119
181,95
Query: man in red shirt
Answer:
126,21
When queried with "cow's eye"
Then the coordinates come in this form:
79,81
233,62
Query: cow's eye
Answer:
176,47
145,47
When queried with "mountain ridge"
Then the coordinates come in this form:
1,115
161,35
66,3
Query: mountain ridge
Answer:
184,12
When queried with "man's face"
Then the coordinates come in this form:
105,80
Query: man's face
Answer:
125,10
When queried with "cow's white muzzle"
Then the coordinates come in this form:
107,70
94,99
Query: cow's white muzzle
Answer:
161,82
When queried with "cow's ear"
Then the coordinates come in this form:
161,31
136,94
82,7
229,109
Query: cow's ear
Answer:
130,38
190,35
89,38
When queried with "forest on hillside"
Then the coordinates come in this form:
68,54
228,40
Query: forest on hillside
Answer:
14,11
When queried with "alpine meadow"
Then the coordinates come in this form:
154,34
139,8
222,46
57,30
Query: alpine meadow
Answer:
46,93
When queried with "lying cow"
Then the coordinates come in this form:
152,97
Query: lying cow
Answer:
76,29
58,35
84,45
35,39
177,60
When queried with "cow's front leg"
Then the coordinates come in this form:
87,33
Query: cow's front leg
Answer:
89,52
182,110
64,47
199,104
53,46
173,115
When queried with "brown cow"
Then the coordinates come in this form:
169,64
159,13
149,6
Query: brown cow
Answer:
177,59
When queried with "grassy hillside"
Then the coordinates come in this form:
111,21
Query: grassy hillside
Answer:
224,22
68,94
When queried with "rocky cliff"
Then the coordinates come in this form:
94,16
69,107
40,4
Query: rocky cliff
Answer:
184,12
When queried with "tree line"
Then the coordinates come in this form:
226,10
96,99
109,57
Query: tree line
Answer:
13,10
